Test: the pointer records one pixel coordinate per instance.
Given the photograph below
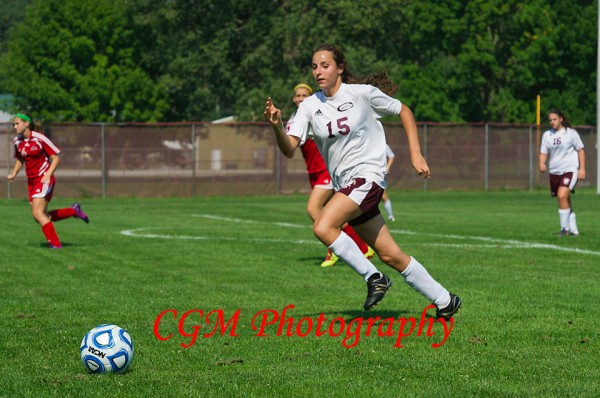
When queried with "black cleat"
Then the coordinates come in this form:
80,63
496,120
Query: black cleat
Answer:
377,285
448,312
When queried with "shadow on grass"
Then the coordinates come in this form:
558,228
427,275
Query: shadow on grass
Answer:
349,315
314,260
64,245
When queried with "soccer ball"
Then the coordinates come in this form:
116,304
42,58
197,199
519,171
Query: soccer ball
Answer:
106,348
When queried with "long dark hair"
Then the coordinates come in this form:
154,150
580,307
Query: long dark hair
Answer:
558,112
379,79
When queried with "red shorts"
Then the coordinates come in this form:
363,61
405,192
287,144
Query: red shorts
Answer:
568,180
367,195
321,180
37,189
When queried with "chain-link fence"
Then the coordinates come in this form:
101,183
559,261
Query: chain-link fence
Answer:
187,159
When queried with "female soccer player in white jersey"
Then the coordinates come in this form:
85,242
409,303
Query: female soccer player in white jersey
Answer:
566,166
320,181
40,157
343,118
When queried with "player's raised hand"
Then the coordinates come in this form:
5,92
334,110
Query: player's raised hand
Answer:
272,114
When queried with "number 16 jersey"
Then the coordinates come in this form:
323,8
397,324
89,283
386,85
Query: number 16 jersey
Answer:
562,147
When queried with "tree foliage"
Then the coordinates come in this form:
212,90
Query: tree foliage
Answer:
175,60
72,60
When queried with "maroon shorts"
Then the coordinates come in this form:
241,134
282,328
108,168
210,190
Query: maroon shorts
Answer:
367,195
562,180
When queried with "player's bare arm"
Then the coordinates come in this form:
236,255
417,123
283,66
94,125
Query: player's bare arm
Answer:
581,172
54,161
410,126
15,171
543,166
287,144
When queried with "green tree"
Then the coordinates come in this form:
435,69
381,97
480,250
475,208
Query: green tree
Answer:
12,12
564,62
221,58
175,60
75,60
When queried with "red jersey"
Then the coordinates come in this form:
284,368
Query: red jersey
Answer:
312,157
35,152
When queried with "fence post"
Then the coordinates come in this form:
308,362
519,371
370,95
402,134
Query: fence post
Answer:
8,159
425,152
104,170
531,166
194,159
486,159
277,171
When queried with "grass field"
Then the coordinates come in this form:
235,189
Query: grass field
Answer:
528,327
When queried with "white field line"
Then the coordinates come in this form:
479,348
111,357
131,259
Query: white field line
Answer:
144,233
486,242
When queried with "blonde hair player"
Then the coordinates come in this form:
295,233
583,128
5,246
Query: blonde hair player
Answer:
563,146
343,119
320,181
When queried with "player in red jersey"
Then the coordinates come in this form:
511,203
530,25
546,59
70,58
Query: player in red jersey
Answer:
320,181
40,157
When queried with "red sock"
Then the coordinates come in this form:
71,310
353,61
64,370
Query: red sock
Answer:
61,214
352,234
51,235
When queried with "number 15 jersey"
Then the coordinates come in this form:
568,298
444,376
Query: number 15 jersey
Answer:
347,131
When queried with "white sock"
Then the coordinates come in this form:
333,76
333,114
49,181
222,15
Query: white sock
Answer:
573,224
388,208
346,249
563,216
419,279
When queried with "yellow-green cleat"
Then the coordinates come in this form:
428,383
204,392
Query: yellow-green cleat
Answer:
330,260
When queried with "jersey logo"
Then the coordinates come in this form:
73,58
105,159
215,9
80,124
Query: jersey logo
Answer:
345,106
318,113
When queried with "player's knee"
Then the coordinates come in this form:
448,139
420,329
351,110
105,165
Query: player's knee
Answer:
38,217
387,258
312,212
318,229
38,214
394,258
322,229
563,201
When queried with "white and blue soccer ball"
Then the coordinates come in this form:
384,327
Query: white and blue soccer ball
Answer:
107,348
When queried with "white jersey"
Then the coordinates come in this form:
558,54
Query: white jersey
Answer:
562,147
347,131
388,152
